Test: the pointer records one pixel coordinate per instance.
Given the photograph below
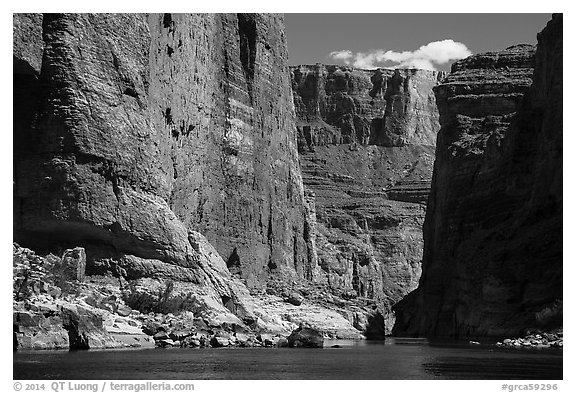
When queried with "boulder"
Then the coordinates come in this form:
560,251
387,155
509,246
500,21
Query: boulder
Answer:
557,344
295,299
152,327
35,331
85,329
123,310
203,341
266,340
306,337
161,335
179,335
167,343
241,338
219,341
190,342
246,344
282,342
200,324
74,263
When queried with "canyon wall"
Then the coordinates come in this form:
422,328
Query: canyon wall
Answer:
492,262
366,143
182,148
131,130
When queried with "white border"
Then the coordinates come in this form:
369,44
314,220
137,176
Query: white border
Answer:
301,6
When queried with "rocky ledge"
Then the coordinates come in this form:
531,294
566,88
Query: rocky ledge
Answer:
57,306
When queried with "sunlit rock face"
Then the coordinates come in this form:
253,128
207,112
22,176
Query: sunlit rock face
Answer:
492,260
132,129
341,105
366,142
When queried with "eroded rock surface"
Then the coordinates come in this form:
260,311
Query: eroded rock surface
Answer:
493,231
340,105
131,130
137,135
305,337
366,143
56,312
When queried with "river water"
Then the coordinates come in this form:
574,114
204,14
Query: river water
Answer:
393,359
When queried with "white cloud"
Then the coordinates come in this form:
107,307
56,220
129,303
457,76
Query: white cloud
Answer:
344,55
423,64
367,60
426,57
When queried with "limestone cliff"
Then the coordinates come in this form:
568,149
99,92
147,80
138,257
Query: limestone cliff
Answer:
341,105
366,142
492,260
165,147
132,129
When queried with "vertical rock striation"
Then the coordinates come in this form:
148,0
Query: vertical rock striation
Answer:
493,231
340,105
132,130
366,142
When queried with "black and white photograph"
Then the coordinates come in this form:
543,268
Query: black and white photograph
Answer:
286,196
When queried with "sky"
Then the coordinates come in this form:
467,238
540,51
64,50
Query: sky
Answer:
429,41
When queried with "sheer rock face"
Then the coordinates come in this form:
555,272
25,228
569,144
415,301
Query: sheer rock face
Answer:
366,142
339,105
131,130
493,230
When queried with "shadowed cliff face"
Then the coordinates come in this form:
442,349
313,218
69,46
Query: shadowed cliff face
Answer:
366,141
493,231
131,130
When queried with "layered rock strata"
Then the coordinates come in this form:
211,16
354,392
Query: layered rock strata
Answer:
492,261
341,105
366,143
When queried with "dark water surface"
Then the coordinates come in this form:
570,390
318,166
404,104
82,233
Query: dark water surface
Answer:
394,359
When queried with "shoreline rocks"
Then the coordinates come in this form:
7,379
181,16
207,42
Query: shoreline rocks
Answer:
554,339
102,312
306,337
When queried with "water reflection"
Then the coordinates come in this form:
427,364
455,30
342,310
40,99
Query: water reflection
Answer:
397,358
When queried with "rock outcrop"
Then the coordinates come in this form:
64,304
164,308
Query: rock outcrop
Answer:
492,261
132,129
366,143
52,311
135,133
341,105
305,337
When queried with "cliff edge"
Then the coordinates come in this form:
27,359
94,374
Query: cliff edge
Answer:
492,262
